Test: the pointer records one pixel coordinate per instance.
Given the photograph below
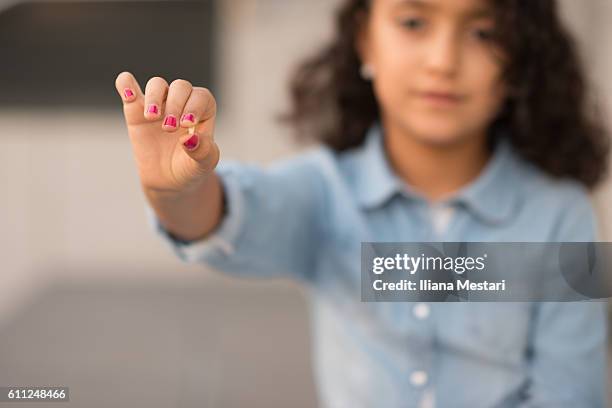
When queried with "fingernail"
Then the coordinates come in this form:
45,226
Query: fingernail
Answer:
128,93
192,142
153,109
170,121
189,117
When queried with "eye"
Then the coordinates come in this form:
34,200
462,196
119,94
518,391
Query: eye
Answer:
413,23
484,34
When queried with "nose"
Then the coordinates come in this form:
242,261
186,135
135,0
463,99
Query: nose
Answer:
443,54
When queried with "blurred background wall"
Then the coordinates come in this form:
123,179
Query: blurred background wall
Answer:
72,201
76,246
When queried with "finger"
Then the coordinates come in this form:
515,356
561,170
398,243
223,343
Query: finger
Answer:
200,107
199,141
178,94
203,150
128,88
155,96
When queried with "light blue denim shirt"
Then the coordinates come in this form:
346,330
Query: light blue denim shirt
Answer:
306,217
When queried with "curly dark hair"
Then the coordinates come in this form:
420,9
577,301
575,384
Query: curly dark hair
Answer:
552,120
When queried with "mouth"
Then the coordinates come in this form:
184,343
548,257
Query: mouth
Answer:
439,98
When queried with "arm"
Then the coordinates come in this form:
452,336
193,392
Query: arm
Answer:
568,365
243,219
568,361
273,221
191,215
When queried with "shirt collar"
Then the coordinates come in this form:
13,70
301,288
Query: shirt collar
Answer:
490,196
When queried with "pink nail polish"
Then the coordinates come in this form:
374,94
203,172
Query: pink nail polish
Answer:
189,117
192,142
153,109
128,93
170,121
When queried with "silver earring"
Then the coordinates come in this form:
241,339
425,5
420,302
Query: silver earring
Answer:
367,72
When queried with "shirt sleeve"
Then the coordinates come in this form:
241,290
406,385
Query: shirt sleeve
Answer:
568,353
272,224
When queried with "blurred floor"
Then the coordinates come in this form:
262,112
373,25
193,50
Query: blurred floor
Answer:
163,345
219,343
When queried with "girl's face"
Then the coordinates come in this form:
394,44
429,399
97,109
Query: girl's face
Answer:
436,70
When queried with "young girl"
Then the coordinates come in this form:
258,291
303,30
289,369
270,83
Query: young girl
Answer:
440,120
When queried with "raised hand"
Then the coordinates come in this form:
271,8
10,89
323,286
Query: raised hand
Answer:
171,130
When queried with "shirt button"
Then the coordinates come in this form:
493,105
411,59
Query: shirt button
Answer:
421,311
418,378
